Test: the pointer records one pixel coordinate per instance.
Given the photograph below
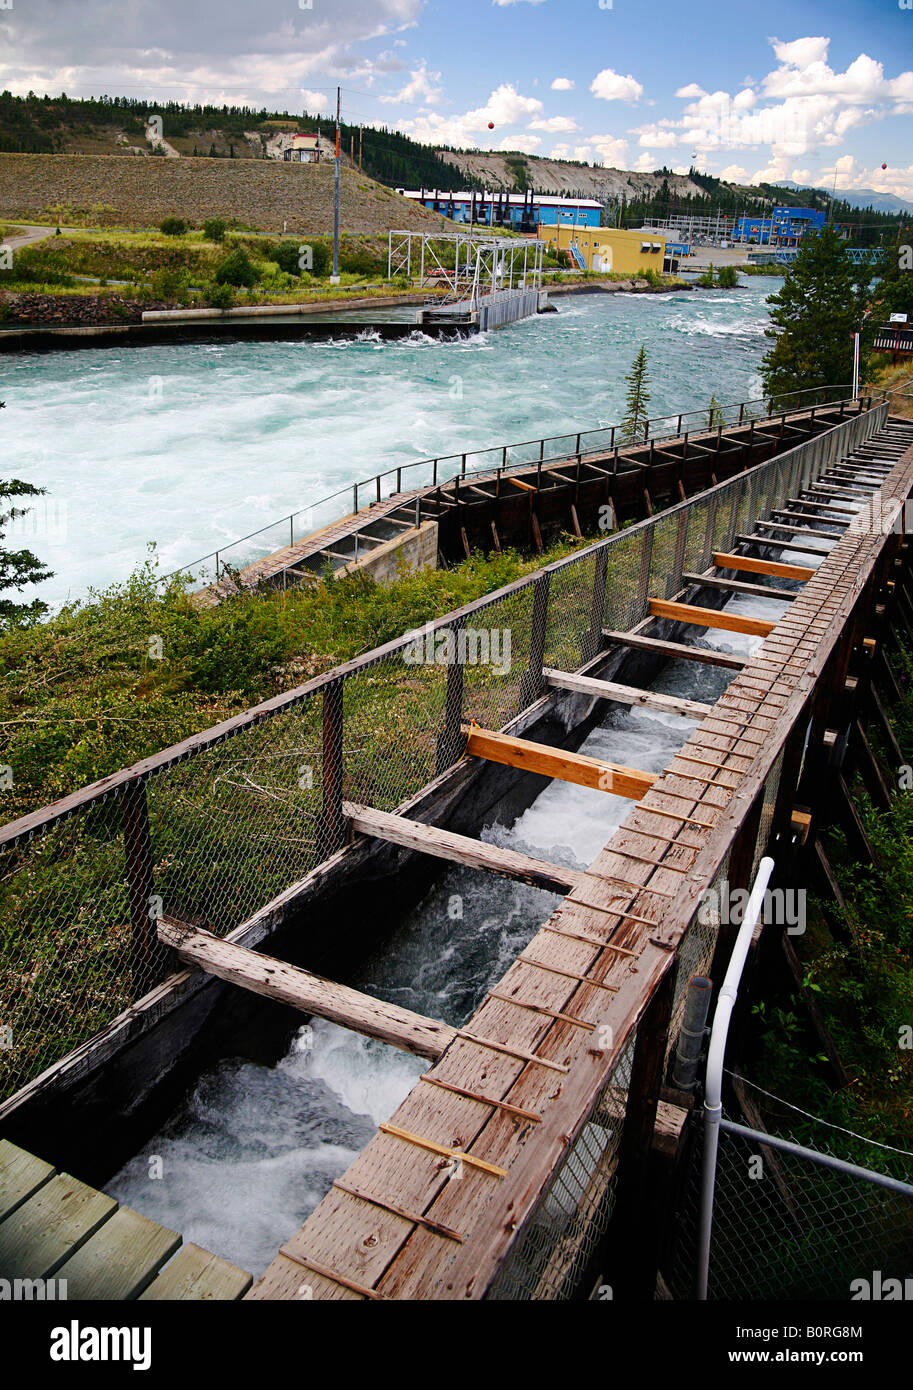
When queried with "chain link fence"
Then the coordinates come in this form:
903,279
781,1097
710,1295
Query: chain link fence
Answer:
219,830
785,1227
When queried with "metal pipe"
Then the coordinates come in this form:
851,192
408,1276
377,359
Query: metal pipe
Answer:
840,1165
691,1034
713,1088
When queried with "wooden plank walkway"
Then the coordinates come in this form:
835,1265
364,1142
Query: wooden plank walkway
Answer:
53,1226
574,995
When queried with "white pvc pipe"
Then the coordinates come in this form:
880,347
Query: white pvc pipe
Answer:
713,1089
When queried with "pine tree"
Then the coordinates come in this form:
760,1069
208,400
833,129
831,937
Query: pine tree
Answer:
19,567
638,398
814,317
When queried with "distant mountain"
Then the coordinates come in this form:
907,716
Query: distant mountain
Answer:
861,197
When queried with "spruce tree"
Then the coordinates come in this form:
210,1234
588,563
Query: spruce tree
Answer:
637,399
814,317
18,567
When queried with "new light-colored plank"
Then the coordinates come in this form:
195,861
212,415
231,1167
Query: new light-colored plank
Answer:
196,1275
754,566
625,694
287,984
552,762
120,1260
21,1174
459,849
50,1226
711,617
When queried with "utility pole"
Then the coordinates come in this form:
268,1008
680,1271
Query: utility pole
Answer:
334,278
361,131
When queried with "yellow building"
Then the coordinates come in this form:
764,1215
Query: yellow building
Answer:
604,249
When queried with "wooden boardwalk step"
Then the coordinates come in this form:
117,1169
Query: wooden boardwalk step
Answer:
459,849
676,650
120,1260
751,565
196,1274
556,763
21,1175
711,617
625,694
275,979
54,1222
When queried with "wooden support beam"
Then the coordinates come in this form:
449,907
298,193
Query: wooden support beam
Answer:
288,984
674,650
784,544
555,762
625,694
460,849
710,617
796,530
750,565
738,586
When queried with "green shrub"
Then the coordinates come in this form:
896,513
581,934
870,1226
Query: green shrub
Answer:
358,261
173,226
36,265
170,283
214,229
220,296
727,277
236,269
287,255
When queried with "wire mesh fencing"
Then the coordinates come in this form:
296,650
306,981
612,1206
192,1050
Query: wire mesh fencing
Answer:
786,1227
218,831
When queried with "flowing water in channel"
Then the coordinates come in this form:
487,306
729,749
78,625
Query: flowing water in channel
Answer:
254,1148
194,445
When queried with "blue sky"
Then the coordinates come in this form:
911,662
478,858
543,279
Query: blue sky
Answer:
777,91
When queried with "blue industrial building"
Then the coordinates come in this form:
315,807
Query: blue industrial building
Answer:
784,227
524,212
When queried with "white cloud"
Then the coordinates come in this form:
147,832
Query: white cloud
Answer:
609,85
691,93
734,173
556,125
563,84
505,107
609,149
420,88
316,102
528,144
518,2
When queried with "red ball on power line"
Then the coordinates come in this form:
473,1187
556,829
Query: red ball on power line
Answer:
491,125
884,166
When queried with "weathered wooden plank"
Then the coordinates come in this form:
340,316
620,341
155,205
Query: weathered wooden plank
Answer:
459,849
288,984
754,566
556,763
120,1260
21,1174
676,650
50,1226
625,694
739,586
710,617
195,1274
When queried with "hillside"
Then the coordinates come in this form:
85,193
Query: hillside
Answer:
491,169
263,194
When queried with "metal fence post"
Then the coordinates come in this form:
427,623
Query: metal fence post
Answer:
592,638
450,739
148,958
331,825
531,682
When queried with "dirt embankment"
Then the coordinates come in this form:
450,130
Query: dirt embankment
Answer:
558,176
262,194
83,310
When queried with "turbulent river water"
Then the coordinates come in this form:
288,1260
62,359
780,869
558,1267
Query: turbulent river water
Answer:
191,446
254,1148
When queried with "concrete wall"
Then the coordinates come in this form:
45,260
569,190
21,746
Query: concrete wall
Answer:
413,550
